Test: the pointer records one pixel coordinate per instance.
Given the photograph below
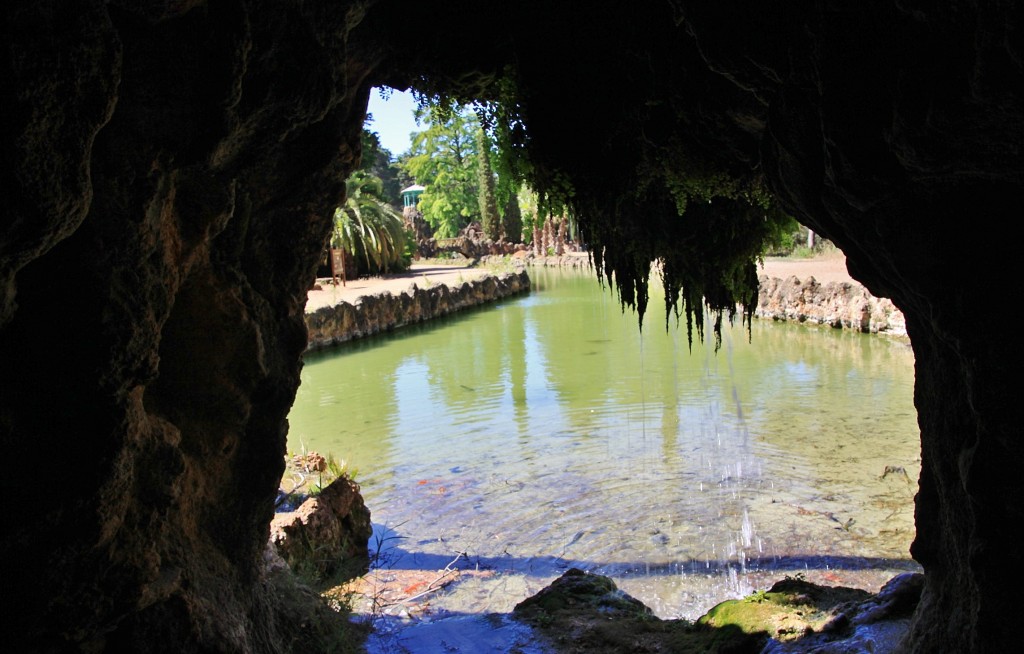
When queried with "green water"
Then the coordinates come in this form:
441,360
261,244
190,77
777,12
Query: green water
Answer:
546,431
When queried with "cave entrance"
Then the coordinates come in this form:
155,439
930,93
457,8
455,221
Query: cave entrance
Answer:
548,432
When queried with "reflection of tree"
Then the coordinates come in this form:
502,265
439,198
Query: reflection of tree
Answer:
515,361
595,359
587,351
464,363
791,385
339,405
537,366
668,391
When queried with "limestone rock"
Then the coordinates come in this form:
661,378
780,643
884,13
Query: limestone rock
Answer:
327,532
836,304
577,590
877,624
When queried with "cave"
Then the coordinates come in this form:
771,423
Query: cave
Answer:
169,174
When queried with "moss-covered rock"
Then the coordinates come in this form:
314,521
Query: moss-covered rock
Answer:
579,591
788,610
582,613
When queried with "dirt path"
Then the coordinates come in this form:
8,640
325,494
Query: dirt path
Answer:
825,268
423,275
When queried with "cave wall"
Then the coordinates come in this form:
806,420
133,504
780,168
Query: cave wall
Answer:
169,171
170,175
898,135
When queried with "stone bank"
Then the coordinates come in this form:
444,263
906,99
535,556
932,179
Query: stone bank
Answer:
372,314
836,304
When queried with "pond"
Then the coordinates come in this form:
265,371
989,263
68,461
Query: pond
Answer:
547,431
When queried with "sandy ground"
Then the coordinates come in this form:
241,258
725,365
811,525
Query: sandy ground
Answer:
826,268
423,275
830,267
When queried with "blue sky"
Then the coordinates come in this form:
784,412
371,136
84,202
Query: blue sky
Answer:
393,119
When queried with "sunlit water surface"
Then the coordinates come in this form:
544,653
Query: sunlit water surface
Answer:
546,432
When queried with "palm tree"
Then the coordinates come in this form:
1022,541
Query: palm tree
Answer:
367,225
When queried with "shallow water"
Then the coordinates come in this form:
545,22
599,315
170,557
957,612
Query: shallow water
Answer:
547,432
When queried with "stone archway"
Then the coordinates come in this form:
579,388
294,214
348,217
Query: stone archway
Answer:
169,174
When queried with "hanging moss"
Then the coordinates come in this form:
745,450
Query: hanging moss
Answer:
677,203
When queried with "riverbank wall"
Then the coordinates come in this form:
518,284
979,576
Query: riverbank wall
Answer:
372,314
840,305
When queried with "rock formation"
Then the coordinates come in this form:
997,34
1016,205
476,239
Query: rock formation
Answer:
836,304
326,532
584,613
169,173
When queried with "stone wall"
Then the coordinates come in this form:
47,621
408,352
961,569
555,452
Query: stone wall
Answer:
526,258
839,304
377,313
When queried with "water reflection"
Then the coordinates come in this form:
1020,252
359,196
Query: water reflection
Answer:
547,431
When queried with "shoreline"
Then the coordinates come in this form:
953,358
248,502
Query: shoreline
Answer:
371,313
817,291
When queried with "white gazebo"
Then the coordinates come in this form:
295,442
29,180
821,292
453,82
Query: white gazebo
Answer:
411,195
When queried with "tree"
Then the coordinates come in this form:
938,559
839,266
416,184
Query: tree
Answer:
378,161
512,220
489,218
526,200
443,159
368,227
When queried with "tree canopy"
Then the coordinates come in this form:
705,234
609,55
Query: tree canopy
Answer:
443,158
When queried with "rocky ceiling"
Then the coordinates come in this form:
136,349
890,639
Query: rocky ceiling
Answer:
168,174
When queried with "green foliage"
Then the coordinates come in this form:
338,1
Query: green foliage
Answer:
785,234
489,218
369,228
442,152
527,201
702,225
377,161
443,159
340,468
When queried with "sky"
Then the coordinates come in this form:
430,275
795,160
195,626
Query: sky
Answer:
393,119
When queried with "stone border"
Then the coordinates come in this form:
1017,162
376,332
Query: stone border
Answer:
838,304
841,305
372,314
